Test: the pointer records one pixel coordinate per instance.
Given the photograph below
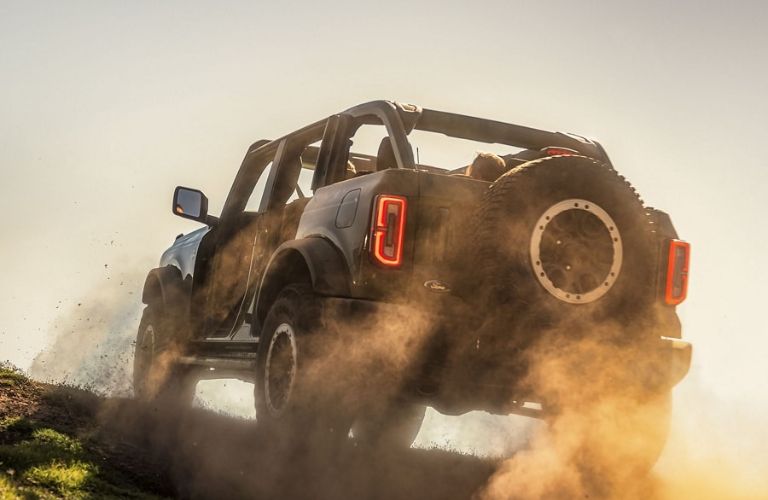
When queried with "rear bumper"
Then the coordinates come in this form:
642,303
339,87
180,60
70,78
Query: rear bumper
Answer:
672,361
461,374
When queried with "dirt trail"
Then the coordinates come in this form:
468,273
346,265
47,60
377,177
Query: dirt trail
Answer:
213,456
141,451
200,454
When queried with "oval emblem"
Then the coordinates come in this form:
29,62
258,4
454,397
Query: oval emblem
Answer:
437,286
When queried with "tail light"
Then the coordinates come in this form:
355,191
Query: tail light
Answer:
676,286
388,230
555,151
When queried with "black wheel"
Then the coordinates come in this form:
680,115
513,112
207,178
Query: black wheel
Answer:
294,397
395,427
157,377
564,237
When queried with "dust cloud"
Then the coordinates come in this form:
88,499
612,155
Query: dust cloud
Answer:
716,450
605,434
91,344
584,451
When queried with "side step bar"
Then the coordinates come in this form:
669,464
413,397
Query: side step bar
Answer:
213,368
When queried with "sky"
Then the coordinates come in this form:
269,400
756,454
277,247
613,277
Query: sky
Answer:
106,106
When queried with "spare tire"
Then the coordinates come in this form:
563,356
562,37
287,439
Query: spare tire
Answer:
563,237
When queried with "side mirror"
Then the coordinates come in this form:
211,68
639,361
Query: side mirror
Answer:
191,204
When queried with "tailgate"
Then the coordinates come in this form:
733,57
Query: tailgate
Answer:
445,205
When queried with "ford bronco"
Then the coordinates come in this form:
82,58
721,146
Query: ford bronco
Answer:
320,244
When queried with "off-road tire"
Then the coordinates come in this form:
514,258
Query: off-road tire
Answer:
294,399
505,278
157,376
395,427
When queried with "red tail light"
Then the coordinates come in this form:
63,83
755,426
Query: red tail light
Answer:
555,151
388,230
676,287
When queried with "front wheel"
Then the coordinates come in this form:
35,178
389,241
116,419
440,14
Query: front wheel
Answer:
157,376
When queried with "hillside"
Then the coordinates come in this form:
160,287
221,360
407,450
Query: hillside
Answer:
58,441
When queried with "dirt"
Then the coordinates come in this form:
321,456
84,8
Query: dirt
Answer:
132,450
201,454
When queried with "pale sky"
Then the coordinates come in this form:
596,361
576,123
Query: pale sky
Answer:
107,106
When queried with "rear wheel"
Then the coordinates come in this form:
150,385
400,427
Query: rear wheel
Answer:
293,395
394,427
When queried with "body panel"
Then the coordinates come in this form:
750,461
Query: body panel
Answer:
183,252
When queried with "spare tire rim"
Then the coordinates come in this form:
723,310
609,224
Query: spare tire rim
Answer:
576,251
280,369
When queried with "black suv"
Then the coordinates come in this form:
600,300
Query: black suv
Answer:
357,289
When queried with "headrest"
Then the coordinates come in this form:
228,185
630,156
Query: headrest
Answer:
286,182
385,157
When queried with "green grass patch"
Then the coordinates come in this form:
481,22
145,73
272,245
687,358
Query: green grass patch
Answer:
8,489
58,441
67,479
11,377
14,490
18,425
48,464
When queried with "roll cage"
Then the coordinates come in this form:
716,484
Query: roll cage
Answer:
329,159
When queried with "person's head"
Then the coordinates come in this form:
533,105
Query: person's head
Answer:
486,167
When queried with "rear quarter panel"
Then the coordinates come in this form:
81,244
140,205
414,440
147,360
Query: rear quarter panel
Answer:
437,205
323,218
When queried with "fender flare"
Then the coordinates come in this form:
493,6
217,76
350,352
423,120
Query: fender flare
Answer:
163,285
313,260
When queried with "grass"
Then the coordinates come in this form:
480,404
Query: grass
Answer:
16,425
37,461
49,464
45,463
10,377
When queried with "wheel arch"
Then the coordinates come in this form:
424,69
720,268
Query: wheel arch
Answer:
164,286
314,261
